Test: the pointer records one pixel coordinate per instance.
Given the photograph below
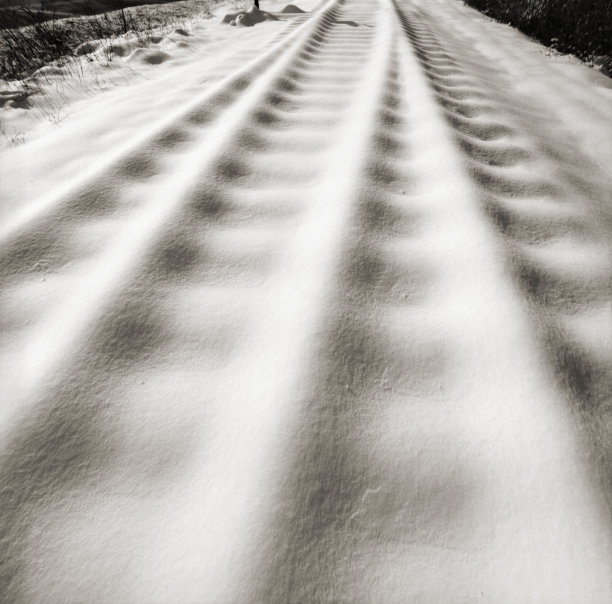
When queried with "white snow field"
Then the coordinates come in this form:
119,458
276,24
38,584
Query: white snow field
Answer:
317,310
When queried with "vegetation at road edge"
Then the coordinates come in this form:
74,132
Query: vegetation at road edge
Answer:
579,27
31,38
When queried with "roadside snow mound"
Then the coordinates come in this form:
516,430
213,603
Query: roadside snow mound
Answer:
87,47
248,18
292,8
149,56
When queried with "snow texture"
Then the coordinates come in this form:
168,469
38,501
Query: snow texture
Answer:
317,310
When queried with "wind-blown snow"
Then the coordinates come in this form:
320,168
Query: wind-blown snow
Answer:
317,310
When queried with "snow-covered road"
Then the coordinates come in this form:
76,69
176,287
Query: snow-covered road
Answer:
320,313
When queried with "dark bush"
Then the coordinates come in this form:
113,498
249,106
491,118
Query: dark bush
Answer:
580,27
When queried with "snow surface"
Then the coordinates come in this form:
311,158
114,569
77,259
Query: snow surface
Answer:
317,310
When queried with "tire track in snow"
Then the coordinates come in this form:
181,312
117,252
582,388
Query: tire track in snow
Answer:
68,444
150,206
549,204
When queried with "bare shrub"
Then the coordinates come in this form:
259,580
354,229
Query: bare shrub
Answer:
30,39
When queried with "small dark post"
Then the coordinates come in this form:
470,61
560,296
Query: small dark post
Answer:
256,3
